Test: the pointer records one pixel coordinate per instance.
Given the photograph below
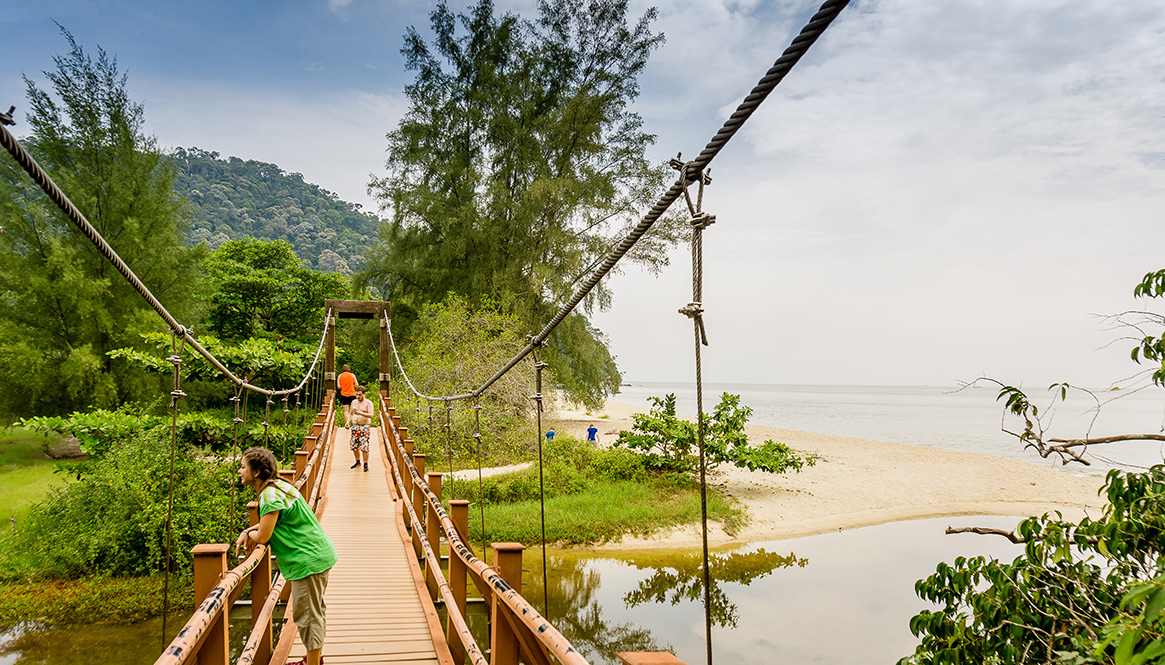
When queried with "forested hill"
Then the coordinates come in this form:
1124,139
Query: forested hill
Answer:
232,198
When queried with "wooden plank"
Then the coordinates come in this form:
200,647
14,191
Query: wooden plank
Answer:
374,614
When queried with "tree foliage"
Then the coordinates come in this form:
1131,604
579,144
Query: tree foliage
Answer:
1082,592
517,166
63,306
668,442
456,349
233,199
260,289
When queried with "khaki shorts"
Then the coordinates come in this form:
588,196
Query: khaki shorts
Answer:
308,609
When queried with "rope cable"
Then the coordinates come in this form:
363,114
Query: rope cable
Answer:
175,395
538,366
699,221
775,74
57,196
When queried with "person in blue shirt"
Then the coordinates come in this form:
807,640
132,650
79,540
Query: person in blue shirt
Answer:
593,434
550,435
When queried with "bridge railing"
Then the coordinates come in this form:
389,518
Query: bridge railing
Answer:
518,630
205,639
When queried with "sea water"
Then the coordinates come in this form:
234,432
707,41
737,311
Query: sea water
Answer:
969,419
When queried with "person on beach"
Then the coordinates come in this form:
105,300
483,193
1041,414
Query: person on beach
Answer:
304,552
593,434
359,431
346,382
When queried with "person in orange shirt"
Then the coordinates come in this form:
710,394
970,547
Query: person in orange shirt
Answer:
347,384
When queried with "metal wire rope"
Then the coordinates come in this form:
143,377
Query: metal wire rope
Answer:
42,179
775,74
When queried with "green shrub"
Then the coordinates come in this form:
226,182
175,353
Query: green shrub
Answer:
616,464
112,521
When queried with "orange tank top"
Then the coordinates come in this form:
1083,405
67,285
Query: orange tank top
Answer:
347,383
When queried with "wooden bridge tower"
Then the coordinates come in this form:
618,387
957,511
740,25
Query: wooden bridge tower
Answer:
357,309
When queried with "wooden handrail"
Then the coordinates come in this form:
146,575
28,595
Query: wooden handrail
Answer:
433,562
191,636
522,611
252,646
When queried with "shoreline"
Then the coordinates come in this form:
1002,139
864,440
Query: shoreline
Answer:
857,483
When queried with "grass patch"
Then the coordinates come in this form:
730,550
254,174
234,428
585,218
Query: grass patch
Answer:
91,600
605,510
26,473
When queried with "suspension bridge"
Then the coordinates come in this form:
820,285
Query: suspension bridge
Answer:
391,531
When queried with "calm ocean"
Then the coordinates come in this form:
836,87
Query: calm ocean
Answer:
967,420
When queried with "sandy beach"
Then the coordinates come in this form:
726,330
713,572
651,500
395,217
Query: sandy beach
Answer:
859,483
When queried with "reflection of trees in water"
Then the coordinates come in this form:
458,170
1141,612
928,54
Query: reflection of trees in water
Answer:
577,614
683,579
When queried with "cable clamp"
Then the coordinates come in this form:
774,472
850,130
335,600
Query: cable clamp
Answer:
690,175
6,118
695,311
702,221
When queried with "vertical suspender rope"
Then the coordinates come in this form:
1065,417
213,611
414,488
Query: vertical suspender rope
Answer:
449,447
695,309
176,394
480,482
267,424
538,366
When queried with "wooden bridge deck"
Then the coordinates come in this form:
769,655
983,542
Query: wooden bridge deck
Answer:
374,613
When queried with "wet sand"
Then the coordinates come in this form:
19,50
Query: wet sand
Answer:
858,482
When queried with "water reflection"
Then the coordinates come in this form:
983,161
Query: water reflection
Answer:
683,580
852,606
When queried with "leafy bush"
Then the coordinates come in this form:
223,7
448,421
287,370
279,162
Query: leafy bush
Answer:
99,431
668,443
113,519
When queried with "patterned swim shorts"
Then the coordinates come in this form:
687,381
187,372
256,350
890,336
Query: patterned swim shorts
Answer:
360,437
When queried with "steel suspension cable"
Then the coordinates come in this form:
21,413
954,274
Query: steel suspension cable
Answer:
175,395
775,74
50,188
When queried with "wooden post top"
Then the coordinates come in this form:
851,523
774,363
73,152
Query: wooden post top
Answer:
357,309
459,502
508,547
210,549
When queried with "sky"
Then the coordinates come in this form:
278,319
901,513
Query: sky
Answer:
938,191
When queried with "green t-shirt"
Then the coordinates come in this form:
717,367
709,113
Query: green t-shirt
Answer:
299,542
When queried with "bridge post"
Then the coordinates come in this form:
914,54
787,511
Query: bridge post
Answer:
301,463
330,356
433,534
385,355
417,495
503,642
210,564
459,513
260,587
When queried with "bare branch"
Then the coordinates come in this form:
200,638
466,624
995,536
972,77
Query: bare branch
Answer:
985,531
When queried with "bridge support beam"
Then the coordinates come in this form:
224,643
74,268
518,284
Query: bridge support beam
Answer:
210,564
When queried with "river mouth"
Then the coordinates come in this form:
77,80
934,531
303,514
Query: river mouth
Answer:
843,598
